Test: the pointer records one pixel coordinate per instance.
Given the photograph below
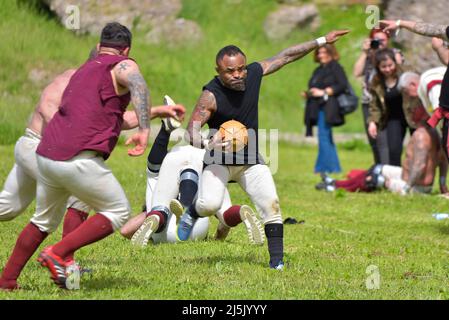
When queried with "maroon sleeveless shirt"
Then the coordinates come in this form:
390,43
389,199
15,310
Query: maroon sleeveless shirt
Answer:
91,114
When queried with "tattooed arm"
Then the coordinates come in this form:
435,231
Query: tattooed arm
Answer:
204,109
417,164
296,52
176,111
128,77
422,28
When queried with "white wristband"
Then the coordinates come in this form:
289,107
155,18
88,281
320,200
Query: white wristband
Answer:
398,24
321,41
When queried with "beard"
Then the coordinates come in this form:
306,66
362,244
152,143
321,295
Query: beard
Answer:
238,86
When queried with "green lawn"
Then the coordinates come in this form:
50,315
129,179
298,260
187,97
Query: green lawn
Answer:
326,257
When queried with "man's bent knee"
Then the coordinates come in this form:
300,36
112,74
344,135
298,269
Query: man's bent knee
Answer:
8,215
271,212
206,208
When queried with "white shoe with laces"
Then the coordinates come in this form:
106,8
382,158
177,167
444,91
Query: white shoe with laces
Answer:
253,226
146,230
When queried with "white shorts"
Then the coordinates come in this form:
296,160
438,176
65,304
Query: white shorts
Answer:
19,189
85,176
20,186
256,180
396,184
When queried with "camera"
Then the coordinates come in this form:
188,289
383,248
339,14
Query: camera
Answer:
375,43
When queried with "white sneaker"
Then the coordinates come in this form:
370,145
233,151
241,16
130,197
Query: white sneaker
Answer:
170,123
176,208
253,226
143,234
279,266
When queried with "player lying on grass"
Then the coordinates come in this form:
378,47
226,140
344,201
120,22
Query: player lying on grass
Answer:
180,174
423,155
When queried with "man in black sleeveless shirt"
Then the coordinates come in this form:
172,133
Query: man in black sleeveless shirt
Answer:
234,95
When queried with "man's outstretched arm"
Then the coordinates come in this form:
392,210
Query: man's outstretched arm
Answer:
422,28
130,120
296,52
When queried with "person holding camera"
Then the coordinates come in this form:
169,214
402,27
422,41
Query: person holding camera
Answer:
322,108
387,121
365,70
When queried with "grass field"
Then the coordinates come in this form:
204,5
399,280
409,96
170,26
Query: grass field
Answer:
327,256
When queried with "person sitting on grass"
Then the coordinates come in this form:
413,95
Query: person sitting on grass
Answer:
423,155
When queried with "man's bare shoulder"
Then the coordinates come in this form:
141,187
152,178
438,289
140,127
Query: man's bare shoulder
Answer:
61,79
53,91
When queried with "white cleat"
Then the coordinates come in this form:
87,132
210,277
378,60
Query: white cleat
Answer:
176,208
253,226
170,123
143,234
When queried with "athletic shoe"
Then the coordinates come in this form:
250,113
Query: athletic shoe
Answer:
320,186
326,179
253,227
170,123
55,264
327,183
279,266
74,266
185,226
148,227
176,208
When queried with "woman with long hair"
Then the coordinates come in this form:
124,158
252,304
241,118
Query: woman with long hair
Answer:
386,120
365,70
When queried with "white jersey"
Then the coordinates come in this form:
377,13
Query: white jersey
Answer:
429,88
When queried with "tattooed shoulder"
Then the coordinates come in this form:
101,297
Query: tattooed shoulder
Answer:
123,66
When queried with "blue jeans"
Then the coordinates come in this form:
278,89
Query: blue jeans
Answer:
327,160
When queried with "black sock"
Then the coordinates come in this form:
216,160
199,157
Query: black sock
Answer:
188,186
192,211
275,238
158,150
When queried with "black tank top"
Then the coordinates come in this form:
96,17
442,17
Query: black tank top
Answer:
241,106
393,101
